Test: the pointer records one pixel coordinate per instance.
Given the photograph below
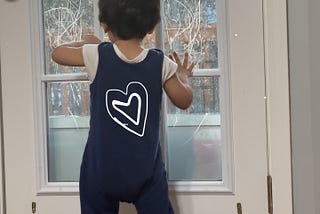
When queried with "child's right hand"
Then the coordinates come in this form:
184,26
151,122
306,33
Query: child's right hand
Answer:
70,54
90,39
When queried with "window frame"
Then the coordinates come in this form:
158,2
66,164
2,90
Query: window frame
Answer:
44,187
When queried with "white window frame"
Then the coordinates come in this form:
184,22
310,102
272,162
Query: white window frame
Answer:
226,186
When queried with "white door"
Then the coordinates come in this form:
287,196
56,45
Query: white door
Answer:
216,152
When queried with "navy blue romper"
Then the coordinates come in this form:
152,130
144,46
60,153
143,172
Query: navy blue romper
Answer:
122,159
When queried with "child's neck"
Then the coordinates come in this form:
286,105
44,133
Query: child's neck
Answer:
130,48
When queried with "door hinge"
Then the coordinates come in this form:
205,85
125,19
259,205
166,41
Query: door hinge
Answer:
239,208
34,207
270,197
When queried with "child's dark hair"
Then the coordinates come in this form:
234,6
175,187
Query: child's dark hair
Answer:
128,19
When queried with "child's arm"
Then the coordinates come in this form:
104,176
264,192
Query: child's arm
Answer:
70,54
177,87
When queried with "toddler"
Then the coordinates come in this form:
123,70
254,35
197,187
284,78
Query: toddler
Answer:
122,160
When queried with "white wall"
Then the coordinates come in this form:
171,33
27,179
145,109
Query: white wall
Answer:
304,44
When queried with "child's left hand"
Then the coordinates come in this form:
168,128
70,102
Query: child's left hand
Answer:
185,67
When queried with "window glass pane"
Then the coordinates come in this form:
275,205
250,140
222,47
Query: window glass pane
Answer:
205,97
194,136
68,126
65,21
68,98
191,25
195,153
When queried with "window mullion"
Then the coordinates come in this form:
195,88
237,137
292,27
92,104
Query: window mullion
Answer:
65,77
207,72
159,39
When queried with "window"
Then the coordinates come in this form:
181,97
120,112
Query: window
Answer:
66,98
196,140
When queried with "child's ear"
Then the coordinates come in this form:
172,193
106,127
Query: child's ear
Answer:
105,27
151,31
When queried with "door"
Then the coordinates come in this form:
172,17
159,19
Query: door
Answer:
221,167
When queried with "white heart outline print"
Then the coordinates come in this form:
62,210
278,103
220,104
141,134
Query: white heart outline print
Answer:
116,103
120,103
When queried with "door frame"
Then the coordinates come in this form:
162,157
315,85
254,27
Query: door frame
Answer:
15,41
278,103
2,157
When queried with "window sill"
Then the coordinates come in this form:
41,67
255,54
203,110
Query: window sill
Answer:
209,187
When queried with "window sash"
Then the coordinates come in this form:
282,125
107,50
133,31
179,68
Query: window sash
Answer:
83,76
40,79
